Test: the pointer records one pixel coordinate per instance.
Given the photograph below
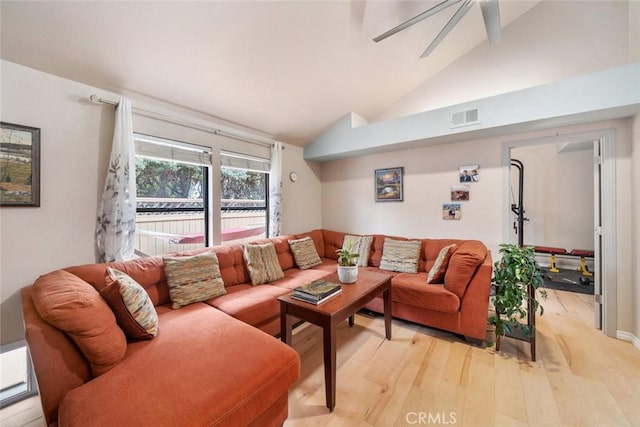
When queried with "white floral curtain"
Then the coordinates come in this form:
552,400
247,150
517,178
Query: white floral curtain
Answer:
116,225
275,190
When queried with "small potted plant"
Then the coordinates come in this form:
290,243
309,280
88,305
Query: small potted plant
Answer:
347,265
516,279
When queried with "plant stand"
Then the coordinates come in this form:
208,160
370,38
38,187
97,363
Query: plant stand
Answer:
518,333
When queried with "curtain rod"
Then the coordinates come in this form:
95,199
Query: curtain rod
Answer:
98,100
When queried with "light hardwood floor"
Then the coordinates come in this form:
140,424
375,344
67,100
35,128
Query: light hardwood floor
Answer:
429,377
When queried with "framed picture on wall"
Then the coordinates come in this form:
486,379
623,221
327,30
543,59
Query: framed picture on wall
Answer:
19,165
459,192
389,185
451,211
469,173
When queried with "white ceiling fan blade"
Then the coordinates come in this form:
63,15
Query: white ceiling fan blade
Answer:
491,16
447,28
424,15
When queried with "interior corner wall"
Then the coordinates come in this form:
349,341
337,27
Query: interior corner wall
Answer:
75,138
301,200
348,196
563,39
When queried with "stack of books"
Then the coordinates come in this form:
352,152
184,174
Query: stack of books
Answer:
317,291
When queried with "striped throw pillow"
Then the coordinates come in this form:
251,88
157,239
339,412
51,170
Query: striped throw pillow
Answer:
193,278
305,253
439,269
131,304
262,263
400,255
361,245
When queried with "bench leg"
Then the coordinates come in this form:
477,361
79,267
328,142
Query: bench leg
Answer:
583,268
552,265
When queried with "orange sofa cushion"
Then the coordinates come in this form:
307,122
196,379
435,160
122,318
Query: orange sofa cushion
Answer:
251,304
413,289
463,264
148,272
74,306
235,373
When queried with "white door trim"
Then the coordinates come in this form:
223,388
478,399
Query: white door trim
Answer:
609,238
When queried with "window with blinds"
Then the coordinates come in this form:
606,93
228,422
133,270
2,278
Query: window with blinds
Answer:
172,195
244,197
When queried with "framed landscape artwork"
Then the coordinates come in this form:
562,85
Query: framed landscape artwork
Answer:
389,184
19,165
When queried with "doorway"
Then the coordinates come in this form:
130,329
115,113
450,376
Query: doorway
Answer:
584,203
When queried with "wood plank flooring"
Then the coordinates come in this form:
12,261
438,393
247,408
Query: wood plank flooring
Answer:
428,377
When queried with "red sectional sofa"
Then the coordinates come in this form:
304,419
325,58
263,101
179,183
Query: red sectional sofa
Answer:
212,362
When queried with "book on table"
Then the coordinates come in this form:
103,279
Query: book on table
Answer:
317,291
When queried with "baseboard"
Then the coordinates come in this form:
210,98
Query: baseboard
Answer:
628,336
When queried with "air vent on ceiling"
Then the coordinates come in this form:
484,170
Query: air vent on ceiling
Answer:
464,118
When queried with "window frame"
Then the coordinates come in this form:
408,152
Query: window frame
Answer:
30,385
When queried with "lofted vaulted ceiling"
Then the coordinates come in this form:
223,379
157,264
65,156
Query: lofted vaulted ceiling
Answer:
287,68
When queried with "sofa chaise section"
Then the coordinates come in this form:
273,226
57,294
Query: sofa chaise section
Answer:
205,368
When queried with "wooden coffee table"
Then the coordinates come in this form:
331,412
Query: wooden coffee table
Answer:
333,311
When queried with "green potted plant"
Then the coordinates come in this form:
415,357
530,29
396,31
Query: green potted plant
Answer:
347,264
516,279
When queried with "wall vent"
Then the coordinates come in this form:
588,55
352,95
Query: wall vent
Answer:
464,118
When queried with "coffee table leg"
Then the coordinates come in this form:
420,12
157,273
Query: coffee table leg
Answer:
386,296
352,320
285,325
329,332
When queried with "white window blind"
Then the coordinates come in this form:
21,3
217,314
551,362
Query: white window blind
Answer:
181,152
243,161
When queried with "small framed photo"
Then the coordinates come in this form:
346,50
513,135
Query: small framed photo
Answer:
19,165
389,184
451,211
459,193
470,173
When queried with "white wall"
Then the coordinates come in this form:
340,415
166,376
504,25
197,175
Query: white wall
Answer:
75,146
348,196
558,196
75,139
302,203
575,37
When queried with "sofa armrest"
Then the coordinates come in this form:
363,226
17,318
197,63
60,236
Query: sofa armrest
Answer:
474,304
59,365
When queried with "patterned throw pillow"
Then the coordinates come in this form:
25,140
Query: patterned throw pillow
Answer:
305,253
361,245
193,278
400,255
131,304
437,272
262,263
